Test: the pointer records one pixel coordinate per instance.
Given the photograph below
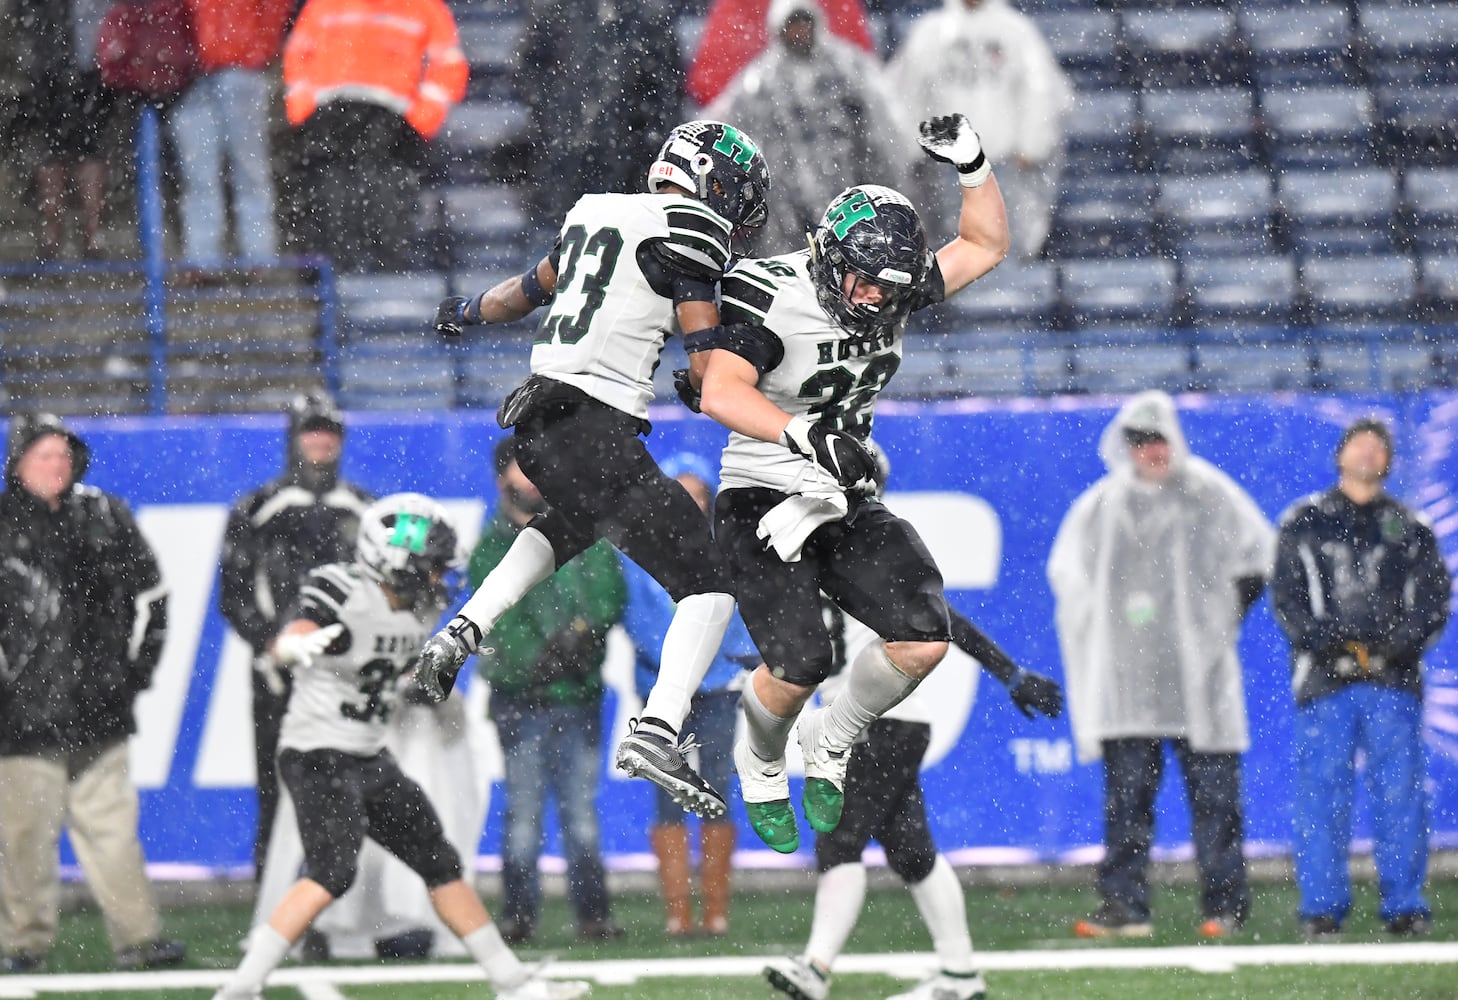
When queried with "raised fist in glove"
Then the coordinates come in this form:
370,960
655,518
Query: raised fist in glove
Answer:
442,655
1035,694
838,453
300,649
450,316
687,394
950,139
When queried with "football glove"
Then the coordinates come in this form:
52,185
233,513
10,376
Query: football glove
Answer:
687,394
442,656
950,139
837,452
1035,694
300,649
273,675
450,316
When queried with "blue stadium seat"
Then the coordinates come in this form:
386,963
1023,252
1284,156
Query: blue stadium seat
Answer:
477,130
490,45
375,304
1112,217
492,366
1372,287
1414,43
1086,43
1439,285
1100,135
1418,123
1248,289
369,382
1339,211
1040,365
1431,197
1101,291
1219,214
924,372
1307,44
1201,130
1027,292
1319,127
1188,46
1262,367
1126,368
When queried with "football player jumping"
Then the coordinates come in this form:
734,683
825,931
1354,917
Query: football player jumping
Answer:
355,633
626,269
814,337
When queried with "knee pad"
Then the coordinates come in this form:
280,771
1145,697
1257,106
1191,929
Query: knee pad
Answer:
438,868
335,876
912,865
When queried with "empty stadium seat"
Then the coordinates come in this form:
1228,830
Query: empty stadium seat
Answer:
1125,368
1366,287
1086,44
1418,123
1013,291
1308,44
1410,43
1439,286
1101,133
1114,216
1250,289
1339,211
375,304
490,45
1188,46
1319,127
1136,288
1430,195
1201,130
1031,366
1262,367
370,382
1221,214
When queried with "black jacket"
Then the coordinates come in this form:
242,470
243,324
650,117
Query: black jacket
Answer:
1347,573
83,615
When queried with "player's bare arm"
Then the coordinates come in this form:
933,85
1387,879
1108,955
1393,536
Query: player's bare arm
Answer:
982,239
508,301
732,397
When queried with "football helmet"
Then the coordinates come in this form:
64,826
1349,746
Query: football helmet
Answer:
407,543
719,165
874,234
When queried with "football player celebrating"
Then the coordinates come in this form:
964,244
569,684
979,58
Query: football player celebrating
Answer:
355,632
796,514
626,269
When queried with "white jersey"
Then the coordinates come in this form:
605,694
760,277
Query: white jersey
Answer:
345,698
613,309
826,373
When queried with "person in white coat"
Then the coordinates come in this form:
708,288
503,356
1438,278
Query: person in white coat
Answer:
1153,571
992,63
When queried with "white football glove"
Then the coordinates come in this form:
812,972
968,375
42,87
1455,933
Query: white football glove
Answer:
950,139
299,649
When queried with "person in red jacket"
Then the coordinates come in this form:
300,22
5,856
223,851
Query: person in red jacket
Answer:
223,117
367,84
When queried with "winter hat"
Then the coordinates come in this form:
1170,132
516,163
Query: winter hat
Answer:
28,428
1370,425
314,411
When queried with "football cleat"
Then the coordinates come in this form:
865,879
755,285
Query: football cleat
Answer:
798,978
438,663
947,986
648,755
765,787
823,798
536,987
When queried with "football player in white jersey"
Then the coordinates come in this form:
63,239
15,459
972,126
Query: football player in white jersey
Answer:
627,269
355,632
815,336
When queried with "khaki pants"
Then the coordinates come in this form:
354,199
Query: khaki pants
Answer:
90,791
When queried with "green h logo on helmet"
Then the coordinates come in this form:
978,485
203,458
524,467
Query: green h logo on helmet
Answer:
856,208
411,530
737,146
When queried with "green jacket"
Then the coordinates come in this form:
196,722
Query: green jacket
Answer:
550,646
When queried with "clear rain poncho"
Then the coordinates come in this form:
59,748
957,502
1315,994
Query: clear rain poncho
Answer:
1145,581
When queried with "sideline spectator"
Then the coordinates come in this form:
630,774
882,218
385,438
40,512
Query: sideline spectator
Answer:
992,62
604,83
1361,590
69,109
368,85
821,107
1154,569
307,517
544,663
223,119
83,615
711,720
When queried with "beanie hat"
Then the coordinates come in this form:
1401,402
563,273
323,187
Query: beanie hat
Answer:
28,428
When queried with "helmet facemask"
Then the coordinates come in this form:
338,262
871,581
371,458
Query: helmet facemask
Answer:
873,234
406,542
720,166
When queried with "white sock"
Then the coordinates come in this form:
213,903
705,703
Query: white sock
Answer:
528,562
767,734
266,950
943,908
839,895
492,954
689,648
873,685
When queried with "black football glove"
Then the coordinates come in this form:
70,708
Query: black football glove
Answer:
837,452
450,316
687,394
1036,695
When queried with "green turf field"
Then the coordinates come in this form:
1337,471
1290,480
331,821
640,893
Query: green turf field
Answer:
1023,933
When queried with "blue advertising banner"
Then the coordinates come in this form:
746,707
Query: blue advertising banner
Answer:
986,482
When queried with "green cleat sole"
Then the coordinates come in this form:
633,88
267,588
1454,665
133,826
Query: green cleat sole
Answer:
774,822
823,803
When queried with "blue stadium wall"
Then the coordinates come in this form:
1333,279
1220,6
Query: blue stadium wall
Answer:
987,482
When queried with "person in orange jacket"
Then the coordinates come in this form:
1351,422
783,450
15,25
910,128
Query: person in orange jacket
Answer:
223,117
368,83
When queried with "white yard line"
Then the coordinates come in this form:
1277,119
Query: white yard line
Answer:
318,982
